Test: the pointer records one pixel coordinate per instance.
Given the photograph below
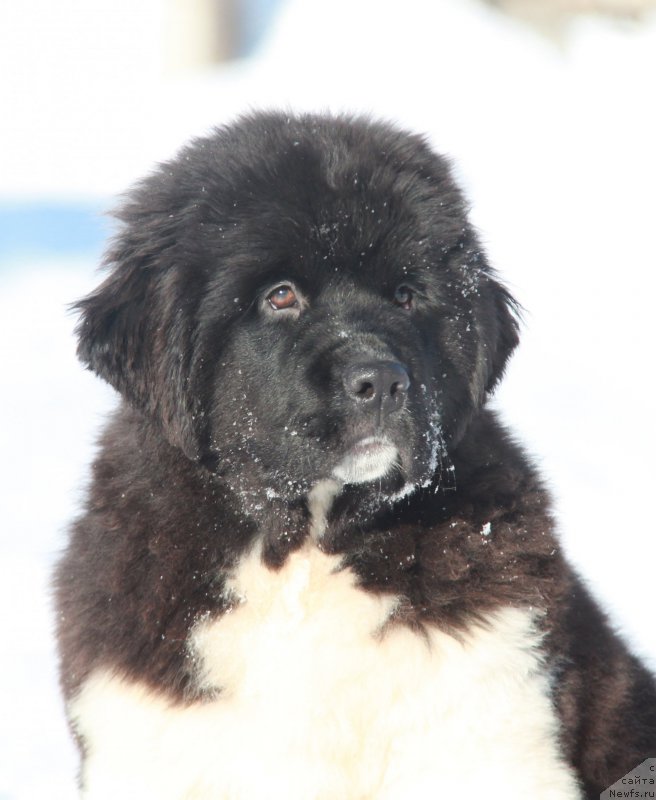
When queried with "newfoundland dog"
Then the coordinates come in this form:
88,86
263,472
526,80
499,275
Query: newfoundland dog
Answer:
312,564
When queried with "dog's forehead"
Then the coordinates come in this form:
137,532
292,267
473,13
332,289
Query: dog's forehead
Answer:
330,181
320,200
328,253
305,226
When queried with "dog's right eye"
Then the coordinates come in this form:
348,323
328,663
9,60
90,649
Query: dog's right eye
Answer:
403,297
282,297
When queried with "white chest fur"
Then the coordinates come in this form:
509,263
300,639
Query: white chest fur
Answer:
319,701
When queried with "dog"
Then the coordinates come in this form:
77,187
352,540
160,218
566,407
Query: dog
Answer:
312,563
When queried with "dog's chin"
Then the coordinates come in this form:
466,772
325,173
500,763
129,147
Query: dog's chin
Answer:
368,460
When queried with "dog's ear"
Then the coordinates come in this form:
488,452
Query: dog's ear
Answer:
504,329
137,333
495,313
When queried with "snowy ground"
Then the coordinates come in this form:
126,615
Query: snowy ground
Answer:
555,148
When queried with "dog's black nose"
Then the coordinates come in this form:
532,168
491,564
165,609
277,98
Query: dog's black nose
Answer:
378,385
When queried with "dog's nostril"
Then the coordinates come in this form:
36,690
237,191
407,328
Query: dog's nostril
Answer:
366,391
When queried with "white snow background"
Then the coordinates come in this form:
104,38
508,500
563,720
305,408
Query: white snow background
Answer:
554,144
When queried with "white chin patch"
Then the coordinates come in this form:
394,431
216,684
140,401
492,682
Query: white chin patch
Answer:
369,459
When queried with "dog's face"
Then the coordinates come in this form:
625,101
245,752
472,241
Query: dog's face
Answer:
297,300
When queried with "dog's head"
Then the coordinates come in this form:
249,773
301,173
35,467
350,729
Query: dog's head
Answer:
300,299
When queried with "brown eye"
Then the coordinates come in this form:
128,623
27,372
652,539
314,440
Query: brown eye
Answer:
282,297
403,297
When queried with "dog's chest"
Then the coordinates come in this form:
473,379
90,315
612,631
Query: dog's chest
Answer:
318,697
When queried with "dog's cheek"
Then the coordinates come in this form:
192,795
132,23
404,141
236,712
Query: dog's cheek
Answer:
248,427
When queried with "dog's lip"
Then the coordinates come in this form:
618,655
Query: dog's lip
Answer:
367,459
369,445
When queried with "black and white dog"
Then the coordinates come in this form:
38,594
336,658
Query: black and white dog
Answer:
312,564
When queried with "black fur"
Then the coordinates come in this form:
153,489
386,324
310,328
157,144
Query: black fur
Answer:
233,411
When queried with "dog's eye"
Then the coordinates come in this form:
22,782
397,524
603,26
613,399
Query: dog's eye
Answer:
282,297
403,296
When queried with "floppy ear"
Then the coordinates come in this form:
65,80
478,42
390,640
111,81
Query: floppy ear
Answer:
504,328
136,332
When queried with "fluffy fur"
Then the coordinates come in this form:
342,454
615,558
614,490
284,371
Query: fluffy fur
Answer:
307,542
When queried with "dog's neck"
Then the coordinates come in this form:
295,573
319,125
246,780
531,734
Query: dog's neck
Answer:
320,499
